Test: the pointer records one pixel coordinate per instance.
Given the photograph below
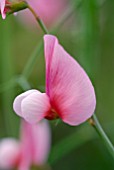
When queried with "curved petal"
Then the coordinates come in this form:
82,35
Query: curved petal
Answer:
35,107
49,42
2,6
18,100
37,139
9,153
70,90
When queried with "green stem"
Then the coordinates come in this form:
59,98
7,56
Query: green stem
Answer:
15,7
32,60
95,123
40,22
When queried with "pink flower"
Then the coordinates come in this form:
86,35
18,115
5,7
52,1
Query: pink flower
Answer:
69,92
32,149
2,8
49,11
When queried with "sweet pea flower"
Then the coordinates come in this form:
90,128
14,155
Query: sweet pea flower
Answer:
69,91
2,8
49,11
32,149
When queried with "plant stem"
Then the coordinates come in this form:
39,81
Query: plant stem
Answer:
95,123
32,60
40,22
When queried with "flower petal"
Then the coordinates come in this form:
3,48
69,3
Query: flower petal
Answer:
25,139
2,6
35,107
37,139
70,90
18,100
49,42
9,153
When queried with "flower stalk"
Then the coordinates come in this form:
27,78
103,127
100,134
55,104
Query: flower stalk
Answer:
95,123
40,22
16,7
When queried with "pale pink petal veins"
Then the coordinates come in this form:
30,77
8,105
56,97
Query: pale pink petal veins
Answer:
9,153
35,106
37,139
68,86
18,101
2,6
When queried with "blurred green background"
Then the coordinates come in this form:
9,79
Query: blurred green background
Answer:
88,35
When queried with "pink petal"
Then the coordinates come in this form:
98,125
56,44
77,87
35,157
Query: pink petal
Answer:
25,138
9,153
35,106
41,136
37,139
70,90
49,42
18,101
2,7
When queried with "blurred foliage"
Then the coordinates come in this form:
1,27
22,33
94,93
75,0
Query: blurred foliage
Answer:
88,35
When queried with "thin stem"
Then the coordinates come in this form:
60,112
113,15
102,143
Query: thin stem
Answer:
95,123
32,60
30,64
40,22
